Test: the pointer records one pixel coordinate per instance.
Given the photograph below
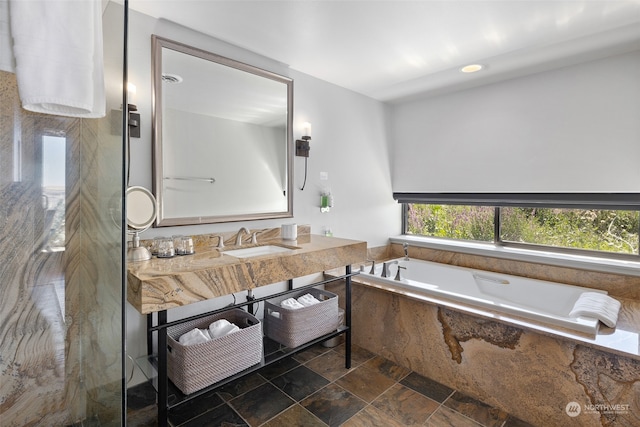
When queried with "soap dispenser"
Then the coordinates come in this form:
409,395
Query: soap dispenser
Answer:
326,200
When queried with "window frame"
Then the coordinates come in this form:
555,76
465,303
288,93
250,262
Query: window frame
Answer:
602,201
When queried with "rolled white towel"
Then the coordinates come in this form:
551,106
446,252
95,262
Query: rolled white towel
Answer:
233,328
291,304
597,305
307,300
194,336
222,327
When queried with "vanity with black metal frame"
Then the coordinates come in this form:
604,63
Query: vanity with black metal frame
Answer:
166,389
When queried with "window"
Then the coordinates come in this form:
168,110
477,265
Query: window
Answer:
589,229
599,226
451,221
53,190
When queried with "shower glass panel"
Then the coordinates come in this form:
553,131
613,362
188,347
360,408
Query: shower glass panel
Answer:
61,269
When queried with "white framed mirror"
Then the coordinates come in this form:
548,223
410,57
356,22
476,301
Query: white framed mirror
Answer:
222,138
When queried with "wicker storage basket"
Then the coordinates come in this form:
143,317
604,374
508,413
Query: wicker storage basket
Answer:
293,328
194,367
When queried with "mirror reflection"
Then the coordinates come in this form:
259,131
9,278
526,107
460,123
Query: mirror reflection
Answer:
222,132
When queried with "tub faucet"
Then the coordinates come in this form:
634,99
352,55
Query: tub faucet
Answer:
220,241
398,278
239,238
373,266
405,246
385,268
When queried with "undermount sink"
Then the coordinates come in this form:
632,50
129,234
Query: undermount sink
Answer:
258,251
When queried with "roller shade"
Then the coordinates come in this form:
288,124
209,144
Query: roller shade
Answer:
571,130
620,201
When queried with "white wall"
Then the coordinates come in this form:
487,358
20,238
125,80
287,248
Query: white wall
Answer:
575,129
350,134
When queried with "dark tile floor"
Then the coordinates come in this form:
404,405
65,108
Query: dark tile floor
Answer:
313,388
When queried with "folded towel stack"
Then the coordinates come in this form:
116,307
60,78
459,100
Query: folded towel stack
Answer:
305,300
597,305
217,329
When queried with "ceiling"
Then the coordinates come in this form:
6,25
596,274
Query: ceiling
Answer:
396,50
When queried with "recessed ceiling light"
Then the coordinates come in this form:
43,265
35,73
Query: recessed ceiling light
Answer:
471,68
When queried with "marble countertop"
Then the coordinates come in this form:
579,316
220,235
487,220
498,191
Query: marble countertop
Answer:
161,284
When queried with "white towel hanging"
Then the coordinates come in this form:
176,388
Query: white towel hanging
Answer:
7,62
57,47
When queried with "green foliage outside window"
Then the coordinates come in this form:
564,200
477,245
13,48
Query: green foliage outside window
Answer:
600,230
451,221
588,229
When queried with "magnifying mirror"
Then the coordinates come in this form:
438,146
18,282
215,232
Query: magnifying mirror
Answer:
141,212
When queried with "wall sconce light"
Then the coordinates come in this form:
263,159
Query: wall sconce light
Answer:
302,144
134,118
302,148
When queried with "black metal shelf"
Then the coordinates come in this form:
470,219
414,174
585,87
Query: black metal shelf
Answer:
149,366
155,366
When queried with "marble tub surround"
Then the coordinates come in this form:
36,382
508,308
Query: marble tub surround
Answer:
617,285
529,374
623,340
161,284
379,253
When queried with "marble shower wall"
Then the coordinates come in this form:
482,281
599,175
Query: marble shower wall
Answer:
532,376
32,320
60,323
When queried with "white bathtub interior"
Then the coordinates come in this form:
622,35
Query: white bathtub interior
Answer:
538,300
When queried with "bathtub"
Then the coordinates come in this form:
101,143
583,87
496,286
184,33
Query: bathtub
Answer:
538,300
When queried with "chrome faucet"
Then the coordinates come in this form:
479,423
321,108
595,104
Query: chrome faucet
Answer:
385,268
373,266
220,241
398,278
405,246
239,237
